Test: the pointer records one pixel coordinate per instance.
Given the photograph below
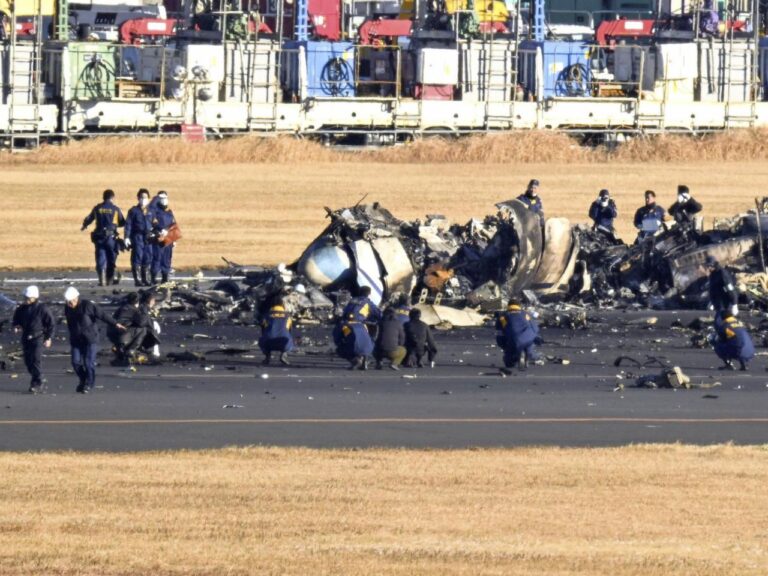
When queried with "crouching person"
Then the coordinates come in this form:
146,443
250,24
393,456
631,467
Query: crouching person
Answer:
276,334
418,341
353,342
518,336
733,342
127,342
390,343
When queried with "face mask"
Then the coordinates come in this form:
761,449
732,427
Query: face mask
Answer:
682,198
144,201
163,201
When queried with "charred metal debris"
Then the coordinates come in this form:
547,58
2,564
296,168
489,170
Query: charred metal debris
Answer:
458,274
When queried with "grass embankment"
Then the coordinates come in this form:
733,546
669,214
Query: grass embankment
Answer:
261,201
646,510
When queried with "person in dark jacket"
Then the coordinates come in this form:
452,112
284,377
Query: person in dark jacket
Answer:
603,212
686,207
402,309
82,316
151,341
276,333
723,295
518,334
418,341
36,324
138,225
390,343
733,342
353,342
649,218
531,198
108,219
137,324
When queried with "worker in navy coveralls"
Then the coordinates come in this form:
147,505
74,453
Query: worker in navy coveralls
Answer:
108,219
276,333
162,220
532,200
603,212
517,336
138,225
649,218
36,324
733,342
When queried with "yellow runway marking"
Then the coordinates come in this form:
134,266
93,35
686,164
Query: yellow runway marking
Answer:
129,422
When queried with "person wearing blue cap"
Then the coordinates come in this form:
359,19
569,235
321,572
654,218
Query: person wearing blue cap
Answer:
532,200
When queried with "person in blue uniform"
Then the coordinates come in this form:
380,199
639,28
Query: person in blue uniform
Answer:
276,333
138,225
603,212
518,334
649,218
82,316
36,323
532,200
162,255
108,219
362,308
733,342
402,309
723,295
353,342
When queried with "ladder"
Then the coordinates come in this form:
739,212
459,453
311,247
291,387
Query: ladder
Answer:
301,26
24,85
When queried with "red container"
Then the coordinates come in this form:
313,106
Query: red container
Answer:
433,92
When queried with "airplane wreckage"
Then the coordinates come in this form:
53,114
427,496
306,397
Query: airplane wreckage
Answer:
457,274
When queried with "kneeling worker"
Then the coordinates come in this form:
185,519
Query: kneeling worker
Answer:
390,343
353,342
519,334
418,341
276,333
733,342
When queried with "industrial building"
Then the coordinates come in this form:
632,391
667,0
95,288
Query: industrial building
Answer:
377,71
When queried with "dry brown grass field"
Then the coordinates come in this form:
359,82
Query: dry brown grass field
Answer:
268,212
643,510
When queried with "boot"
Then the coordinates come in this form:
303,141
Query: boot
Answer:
284,359
154,279
522,364
364,363
165,277
136,280
145,276
102,277
116,277
267,359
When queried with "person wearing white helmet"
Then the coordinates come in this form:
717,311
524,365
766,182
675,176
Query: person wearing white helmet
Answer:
82,316
37,325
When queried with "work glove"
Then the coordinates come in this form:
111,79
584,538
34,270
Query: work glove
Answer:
711,307
128,243
735,310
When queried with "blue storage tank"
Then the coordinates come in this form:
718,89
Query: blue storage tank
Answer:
330,68
555,69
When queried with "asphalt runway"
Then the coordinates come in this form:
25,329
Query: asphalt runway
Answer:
230,399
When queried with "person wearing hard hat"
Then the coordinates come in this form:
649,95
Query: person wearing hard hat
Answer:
37,325
82,316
